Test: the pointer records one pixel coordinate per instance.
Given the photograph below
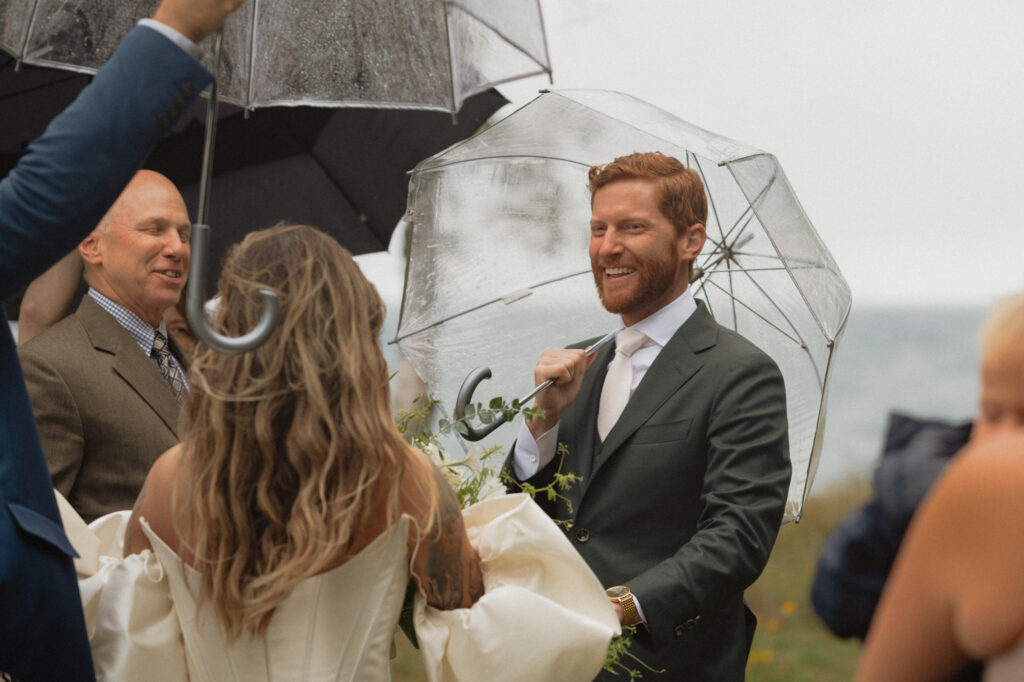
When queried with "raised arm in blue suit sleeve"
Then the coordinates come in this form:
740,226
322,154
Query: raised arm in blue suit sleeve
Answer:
74,172
48,203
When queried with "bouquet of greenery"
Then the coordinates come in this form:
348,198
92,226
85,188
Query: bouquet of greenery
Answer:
475,477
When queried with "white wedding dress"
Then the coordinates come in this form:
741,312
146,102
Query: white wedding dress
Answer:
544,615
334,626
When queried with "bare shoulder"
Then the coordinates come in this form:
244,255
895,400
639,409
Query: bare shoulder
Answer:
982,479
967,536
154,503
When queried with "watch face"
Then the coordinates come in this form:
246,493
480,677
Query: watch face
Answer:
617,592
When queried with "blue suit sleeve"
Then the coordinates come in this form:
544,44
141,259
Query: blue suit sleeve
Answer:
71,175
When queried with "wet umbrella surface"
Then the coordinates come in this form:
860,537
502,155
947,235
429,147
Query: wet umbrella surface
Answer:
499,267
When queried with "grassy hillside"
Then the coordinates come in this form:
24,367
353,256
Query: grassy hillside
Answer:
791,644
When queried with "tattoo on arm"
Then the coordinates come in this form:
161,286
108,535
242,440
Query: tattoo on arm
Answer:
452,577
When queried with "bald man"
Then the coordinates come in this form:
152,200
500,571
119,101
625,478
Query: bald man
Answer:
106,382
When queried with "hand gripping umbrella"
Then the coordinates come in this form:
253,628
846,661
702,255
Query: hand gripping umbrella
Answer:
499,253
413,54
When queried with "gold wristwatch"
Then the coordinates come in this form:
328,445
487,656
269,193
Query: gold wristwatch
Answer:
620,594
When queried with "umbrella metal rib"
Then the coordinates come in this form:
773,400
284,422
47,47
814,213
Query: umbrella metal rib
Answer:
501,34
497,157
31,25
691,157
757,285
753,202
507,299
803,343
764,269
771,324
796,336
721,244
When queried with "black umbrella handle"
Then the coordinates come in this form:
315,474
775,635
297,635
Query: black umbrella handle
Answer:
473,379
206,177
194,305
200,248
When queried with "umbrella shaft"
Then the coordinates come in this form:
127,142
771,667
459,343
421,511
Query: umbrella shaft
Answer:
206,178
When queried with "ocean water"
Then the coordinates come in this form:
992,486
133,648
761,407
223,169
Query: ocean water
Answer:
922,361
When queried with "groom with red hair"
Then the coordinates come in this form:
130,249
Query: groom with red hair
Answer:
679,433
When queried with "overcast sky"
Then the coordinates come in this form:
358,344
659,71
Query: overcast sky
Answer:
899,124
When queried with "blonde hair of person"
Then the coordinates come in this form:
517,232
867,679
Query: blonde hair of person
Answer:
289,447
1002,335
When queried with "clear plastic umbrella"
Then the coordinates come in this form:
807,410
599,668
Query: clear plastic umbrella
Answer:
499,268
418,54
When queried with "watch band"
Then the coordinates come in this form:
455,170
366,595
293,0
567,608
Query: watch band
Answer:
621,595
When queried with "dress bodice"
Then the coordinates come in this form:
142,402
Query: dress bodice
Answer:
544,614
337,625
1008,666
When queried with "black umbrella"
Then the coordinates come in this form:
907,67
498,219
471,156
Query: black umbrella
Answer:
342,170
29,98
420,55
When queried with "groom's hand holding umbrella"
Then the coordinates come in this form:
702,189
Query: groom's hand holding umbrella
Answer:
564,367
195,19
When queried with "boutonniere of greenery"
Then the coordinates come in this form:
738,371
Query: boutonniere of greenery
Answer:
477,475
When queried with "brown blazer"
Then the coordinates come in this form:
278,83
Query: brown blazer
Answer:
104,411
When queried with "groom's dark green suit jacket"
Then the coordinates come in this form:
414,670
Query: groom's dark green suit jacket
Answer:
683,500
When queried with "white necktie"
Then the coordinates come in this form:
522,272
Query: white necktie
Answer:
617,383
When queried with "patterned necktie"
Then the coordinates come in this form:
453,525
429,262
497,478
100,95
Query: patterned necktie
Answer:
617,383
168,367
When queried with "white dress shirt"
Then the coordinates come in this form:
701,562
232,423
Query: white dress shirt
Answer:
175,37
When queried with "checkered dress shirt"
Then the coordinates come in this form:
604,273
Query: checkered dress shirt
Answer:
137,328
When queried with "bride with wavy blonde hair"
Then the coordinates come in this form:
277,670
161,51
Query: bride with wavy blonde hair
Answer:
291,470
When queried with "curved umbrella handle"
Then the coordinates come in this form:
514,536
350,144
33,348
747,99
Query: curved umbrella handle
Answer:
473,379
194,305
200,246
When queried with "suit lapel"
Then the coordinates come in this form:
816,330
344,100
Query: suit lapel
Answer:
130,362
586,442
677,362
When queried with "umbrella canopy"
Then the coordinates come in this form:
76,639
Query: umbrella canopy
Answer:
399,54
344,170
499,267
419,54
29,99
